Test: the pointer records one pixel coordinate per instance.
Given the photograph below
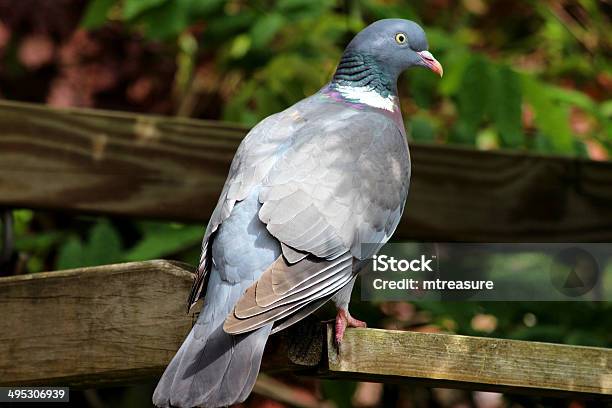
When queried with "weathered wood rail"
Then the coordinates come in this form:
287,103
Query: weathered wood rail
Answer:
135,165
122,323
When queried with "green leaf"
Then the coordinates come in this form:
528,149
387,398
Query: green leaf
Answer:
104,245
384,9
201,8
542,144
505,106
96,13
22,219
233,25
265,28
41,241
161,239
573,97
455,64
463,134
473,96
289,5
166,21
306,9
441,40
606,108
422,87
240,46
132,8
421,129
70,254
551,117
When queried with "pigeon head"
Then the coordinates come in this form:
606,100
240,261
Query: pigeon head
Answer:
379,53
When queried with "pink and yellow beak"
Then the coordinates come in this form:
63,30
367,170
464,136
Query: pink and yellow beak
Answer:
431,62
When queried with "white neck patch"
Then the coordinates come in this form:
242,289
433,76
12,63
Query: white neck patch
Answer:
367,96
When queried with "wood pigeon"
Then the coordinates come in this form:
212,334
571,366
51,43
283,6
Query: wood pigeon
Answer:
307,187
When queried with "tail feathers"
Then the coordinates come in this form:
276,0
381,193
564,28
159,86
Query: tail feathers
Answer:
244,365
212,368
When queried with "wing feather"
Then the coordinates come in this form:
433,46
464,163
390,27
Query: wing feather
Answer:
287,278
260,296
235,325
352,192
291,255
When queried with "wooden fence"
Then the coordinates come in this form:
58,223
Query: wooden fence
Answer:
122,323
172,168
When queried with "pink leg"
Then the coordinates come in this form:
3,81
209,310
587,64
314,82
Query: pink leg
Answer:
344,320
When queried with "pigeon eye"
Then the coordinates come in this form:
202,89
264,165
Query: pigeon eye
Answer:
400,38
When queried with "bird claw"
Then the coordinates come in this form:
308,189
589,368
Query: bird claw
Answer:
344,320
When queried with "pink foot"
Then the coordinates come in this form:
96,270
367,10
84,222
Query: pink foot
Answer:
344,320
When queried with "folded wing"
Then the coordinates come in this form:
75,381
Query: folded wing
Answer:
339,185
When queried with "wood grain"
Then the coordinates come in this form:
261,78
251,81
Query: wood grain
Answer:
136,165
100,325
112,163
452,361
122,323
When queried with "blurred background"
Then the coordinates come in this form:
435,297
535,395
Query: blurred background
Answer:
531,76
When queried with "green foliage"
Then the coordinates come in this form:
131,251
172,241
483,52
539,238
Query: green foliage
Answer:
103,243
550,116
474,99
265,28
103,246
421,129
159,240
96,13
167,20
505,106
274,54
579,323
132,8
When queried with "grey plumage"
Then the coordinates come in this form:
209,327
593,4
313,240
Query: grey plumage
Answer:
307,187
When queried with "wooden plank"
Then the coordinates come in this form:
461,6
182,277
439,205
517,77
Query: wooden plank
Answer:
122,323
101,325
112,163
171,168
452,361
